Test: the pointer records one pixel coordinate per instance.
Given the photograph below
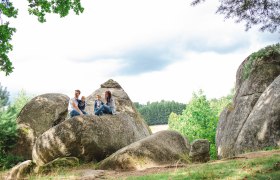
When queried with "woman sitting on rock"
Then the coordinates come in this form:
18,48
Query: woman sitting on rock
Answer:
109,107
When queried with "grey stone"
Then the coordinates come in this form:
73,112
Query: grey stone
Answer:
162,148
88,137
200,150
21,170
37,116
236,122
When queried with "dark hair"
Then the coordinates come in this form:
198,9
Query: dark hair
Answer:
109,96
78,91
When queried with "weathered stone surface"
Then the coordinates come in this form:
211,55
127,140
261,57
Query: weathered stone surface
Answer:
200,150
25,142
44,111
21,170
230,129
88,137
111,84
57,163
262,127
37,116
162,148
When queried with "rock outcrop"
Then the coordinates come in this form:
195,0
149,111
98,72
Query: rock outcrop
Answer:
88,137
162,148
200,150
21,170
37,116
57,163
247,114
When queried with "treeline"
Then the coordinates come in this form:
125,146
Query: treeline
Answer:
8,126
158,112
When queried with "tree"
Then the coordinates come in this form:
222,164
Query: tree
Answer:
4,96
200,118
38,8
158,112
265,13
8,130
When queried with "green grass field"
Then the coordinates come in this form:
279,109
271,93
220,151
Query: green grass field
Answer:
260,168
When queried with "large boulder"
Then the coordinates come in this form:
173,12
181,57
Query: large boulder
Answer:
88,137
162,148
37,116
262,127
252,79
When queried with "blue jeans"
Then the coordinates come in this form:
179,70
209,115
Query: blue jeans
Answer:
75,113
103,109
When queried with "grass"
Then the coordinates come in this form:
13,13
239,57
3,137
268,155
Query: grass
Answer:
260,168
266,167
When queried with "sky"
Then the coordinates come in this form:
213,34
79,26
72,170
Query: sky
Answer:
156,50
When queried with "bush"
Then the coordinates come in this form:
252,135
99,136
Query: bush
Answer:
8,130
269,51
200,118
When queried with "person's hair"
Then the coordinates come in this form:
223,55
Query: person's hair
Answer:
109,96
98,96
78,91
83,97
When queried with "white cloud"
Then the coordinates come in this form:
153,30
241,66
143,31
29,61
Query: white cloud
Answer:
55,56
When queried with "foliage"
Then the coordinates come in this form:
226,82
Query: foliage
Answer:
4,97
259,168
8,130
267,52
254,12
158,112
38,8
200,118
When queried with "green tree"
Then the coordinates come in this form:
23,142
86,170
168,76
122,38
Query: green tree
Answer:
200,118
265,13
8,130
38,8
158,112
4,97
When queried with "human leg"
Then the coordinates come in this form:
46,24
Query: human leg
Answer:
74,113
107,109
99,111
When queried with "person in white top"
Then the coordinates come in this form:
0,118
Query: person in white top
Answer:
73,105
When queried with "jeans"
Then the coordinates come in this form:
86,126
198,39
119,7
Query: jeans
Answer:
103,109
76,113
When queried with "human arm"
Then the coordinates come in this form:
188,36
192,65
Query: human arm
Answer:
75,106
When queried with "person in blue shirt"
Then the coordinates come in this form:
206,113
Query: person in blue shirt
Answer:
82,104
98,106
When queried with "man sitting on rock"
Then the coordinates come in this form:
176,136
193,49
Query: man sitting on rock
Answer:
73,105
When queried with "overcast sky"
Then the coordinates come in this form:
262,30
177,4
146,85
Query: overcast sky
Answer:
155,49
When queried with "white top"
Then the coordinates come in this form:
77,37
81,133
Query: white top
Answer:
70,107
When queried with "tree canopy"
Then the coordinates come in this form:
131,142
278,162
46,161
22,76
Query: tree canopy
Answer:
37,8
265,13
